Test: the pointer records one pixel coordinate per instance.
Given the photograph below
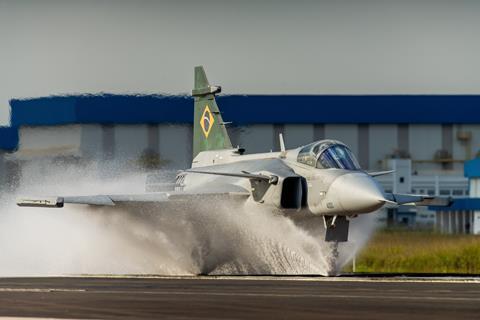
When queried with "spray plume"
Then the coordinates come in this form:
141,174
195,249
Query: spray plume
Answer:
206,238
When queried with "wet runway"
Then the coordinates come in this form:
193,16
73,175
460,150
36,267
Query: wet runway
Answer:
241,297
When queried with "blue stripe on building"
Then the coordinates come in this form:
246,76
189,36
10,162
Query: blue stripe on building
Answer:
8,138
242,110
472,168
461,204
251,109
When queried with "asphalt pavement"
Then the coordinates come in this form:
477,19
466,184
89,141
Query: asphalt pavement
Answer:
241,297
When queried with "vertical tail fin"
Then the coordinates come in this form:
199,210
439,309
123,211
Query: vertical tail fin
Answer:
209,132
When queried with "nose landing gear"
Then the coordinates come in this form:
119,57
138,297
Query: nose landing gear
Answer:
336,228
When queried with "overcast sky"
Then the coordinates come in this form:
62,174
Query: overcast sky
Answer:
373,47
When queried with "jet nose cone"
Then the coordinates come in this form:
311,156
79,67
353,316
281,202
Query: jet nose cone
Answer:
358,193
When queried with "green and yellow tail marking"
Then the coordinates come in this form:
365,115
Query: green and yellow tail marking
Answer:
209,132
207,121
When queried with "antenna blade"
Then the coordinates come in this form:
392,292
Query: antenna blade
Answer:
282,143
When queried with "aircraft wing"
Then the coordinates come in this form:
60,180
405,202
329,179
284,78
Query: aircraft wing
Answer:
112,200
379,173
418,200
244,174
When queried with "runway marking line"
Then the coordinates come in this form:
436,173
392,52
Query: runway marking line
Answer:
35,318
465,280
245,294
289,278
42,290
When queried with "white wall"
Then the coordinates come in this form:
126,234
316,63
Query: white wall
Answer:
50,137
346,133
130,141
176,145
175,141
459,149
424,141
296,135
92,141
256,138
383,141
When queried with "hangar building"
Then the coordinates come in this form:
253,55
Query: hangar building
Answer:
432,134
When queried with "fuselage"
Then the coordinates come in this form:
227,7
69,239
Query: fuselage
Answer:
318,191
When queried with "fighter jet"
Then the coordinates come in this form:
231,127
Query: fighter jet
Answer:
321,179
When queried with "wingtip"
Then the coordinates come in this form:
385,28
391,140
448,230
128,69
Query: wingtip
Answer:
48,202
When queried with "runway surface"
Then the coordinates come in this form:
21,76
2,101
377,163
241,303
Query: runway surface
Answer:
241,297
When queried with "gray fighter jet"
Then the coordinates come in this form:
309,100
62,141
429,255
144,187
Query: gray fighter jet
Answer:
321,179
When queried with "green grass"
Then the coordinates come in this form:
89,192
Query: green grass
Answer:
419,251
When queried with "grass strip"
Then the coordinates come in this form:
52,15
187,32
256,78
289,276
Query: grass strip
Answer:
419,252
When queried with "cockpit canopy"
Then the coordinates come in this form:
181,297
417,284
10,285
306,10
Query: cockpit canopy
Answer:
328,154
